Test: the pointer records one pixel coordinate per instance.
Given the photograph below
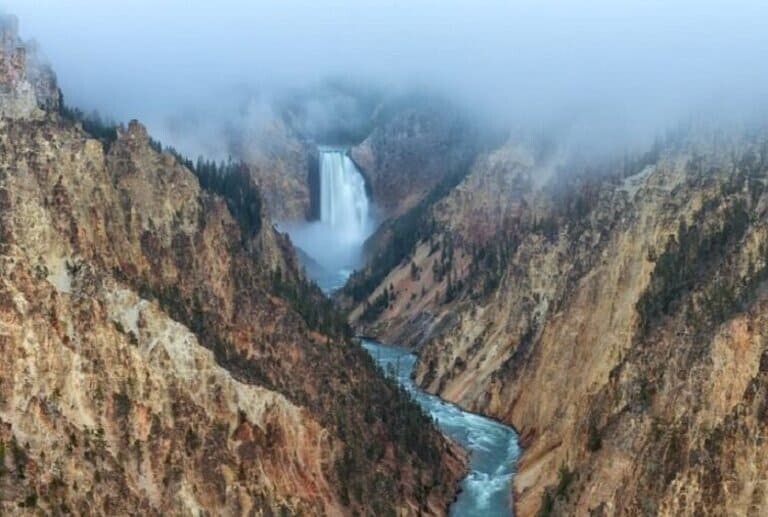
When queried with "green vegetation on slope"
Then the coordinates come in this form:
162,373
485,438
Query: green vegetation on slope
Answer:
405,233
698,256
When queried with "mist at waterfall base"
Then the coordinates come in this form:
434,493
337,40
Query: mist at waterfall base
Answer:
331,248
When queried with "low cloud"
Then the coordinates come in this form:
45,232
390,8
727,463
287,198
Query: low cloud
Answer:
605,72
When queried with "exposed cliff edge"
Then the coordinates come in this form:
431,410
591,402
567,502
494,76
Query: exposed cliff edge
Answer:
616,318
163,354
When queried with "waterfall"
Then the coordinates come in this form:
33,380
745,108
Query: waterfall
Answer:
343,200
332,247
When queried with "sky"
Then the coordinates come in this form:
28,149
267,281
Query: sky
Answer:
614,66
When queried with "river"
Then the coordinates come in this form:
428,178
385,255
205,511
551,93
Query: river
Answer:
492,446
332,248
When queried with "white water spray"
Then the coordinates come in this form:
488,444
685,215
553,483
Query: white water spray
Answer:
343,200
335,242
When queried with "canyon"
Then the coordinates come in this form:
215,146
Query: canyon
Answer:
163,352
614,318
398,313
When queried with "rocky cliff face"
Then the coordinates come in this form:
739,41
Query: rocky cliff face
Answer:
617,322
282,164
411,151
491,196
27,85
162,353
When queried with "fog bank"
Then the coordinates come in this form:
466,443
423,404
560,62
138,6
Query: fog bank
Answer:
601,70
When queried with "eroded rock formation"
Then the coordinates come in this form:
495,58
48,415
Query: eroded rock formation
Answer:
617,320
411,151
282,164
27,85
163,354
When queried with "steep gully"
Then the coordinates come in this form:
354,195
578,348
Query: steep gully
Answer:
333,246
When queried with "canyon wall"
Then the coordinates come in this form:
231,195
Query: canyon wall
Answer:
615,317
162,352
282,164
414,147
27,84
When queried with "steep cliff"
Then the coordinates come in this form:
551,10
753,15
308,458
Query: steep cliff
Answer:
163,354
27,85
281,162
414,145
615,318
458,221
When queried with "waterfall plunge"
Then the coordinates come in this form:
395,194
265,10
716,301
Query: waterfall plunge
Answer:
334,243
343,200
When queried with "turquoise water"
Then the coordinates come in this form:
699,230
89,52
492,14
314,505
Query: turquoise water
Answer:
493,447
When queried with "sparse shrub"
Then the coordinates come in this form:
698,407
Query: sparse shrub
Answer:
118,326
122,404
192,441
19,458
564,480
30,501
645,393
415,272
594,440
547,504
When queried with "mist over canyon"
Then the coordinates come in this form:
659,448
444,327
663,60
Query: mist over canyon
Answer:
421,258
600,74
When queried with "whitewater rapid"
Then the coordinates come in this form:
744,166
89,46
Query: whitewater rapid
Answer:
493,447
